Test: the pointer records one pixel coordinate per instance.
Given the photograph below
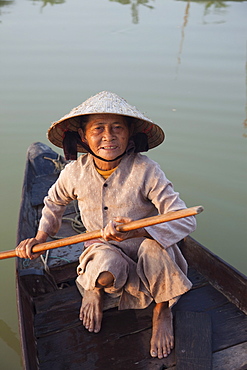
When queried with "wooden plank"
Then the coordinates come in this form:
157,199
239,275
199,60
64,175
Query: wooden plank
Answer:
26,314
197,279
202,299
193,341
221,275
122,343
57,320
65,314
229,323
35,283
233,358
62,274
60,298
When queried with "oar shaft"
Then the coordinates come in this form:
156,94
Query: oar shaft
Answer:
150,221
133,225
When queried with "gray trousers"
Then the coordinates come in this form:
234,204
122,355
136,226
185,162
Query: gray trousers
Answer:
158,274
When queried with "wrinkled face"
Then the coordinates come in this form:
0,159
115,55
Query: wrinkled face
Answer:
107,136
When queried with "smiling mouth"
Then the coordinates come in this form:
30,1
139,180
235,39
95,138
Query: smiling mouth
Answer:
109,147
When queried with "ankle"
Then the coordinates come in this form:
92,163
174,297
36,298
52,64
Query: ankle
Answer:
160,307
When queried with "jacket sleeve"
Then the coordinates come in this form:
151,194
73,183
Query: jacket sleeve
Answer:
159,190
59,195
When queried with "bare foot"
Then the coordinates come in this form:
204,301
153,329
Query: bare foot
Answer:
162,341
91,309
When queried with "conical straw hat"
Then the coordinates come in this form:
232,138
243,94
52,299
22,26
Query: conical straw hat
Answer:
108,103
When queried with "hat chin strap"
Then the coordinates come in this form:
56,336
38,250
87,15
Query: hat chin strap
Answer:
137,143
88,149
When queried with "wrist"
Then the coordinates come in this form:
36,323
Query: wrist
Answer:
41,236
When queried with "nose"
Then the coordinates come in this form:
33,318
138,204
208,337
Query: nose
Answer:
108,133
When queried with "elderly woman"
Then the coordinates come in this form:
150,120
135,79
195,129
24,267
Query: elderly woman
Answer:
114,183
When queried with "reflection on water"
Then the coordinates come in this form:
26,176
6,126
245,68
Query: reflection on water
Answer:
245,121
10,338
5,3
245,126
51,2
134,4
185,21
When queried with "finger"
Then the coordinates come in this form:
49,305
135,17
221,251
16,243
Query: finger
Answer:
21,249
112,227
109,231
29,251
123,220
114,233
24,249
29,246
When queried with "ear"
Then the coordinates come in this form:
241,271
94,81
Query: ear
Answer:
82,135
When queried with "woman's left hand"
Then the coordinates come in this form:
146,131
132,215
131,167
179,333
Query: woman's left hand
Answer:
110,232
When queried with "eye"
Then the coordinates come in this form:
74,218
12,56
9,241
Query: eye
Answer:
118,127
98,128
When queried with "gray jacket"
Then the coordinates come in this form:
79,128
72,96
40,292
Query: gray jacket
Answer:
138,188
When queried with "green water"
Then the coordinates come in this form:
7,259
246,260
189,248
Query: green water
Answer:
183,63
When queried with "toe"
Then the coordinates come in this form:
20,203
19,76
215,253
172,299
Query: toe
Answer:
90,327
153,351
161,353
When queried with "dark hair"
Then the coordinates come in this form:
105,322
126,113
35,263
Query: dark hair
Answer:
83,121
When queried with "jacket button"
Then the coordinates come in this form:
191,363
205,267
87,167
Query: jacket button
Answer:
105,208
105,185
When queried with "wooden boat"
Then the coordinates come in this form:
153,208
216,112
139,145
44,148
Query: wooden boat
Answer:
210,320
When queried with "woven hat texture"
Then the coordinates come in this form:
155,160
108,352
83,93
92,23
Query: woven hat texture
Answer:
108,103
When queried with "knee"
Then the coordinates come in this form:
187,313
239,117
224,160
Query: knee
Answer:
150,247
105,280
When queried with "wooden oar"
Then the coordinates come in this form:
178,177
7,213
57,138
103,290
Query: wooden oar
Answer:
144,222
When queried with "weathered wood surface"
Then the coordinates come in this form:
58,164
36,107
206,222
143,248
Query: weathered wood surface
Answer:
28,340
228,322
224,277
193,341
125,335
233,358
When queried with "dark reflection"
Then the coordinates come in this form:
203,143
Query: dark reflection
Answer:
245,125
245,121
216,6
134,5
5,3
185,21
51,2
9,337
215,3
211,6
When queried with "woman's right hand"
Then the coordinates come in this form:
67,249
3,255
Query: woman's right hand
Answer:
24,248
